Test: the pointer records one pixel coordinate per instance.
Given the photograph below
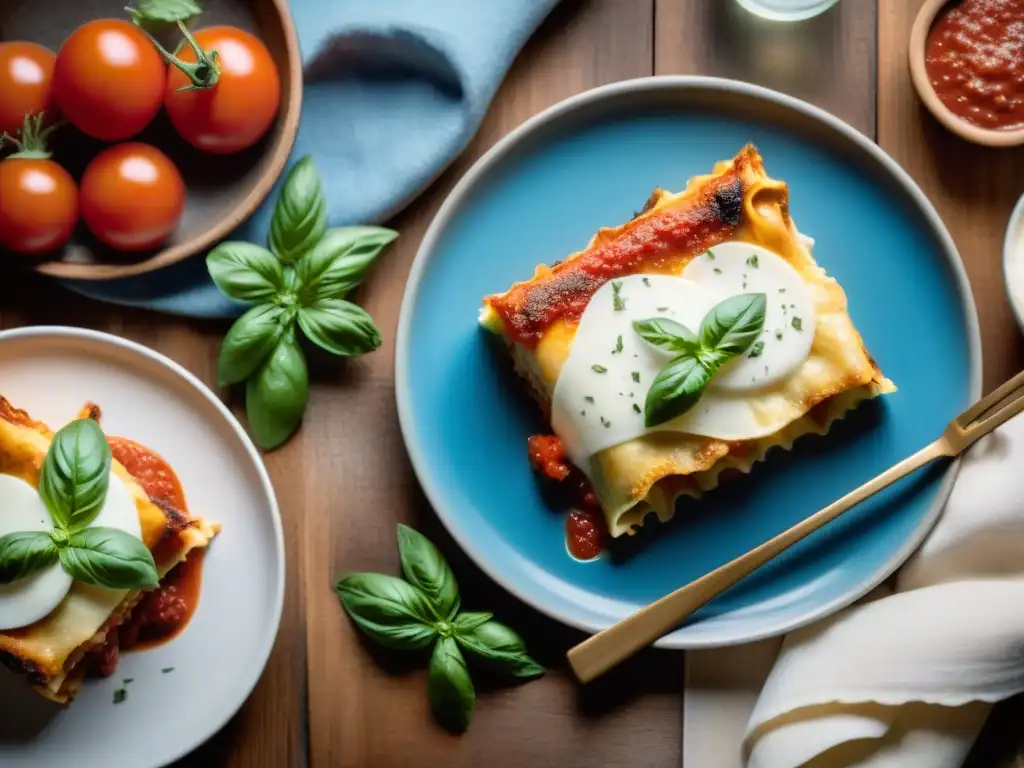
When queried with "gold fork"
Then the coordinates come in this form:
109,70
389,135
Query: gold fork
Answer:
598,654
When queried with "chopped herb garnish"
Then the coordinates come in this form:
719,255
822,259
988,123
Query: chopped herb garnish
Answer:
711,254
716,270
662,309
647,282
165,670
618,303
766,370
792,306
797,323
744,284
637,408
752,261
782,290
605,423
783,309
618,345
778,335
128,680
636,377
598,369
583,413
588,398
757,349
120,695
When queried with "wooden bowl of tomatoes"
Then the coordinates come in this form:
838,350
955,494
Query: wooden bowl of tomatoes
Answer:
138,139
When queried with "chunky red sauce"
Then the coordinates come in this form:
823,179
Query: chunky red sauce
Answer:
653,242
585,526
167,610
975,61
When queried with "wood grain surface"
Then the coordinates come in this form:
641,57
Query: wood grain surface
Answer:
327,699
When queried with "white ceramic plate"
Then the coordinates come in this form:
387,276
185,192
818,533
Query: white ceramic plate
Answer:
51,372
1013,261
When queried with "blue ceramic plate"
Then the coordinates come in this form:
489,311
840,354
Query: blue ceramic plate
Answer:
591,161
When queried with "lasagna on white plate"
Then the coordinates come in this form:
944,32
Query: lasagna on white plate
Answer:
681,345
55,627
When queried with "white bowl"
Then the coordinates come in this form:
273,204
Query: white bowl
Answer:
1013,261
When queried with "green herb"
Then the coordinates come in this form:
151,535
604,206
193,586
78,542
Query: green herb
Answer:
618,345
165,670
637,408
727,331
605,423
423,612
716,270
120,694
583,413
797,323
752,261
662,309
73,485
128,680
744,285
711,254
636,377
782,290
646,282
204,72
588,398
598,369
618,303
300,282
756,350
778,335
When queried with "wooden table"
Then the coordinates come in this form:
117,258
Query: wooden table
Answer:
345,481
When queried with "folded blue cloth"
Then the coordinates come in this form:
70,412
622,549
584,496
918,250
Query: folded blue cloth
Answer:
394,90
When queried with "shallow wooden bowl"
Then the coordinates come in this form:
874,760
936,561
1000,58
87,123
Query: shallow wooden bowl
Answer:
221,190
922,84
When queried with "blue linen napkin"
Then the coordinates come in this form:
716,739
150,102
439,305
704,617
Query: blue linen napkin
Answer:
394,90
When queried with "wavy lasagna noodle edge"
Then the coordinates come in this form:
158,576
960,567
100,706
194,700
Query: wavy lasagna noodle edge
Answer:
650,473
49,651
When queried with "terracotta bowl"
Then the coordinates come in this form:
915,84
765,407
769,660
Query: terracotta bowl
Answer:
918,45
221,190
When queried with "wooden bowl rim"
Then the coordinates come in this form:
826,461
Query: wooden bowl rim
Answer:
922,84
205,240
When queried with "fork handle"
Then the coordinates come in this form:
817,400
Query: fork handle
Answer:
596,655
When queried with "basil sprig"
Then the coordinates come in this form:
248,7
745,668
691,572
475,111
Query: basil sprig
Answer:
422,612
299,283
73,485
726,332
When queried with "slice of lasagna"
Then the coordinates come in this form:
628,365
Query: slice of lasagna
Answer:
54,650
687,342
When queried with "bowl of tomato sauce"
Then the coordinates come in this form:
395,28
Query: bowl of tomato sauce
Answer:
967,64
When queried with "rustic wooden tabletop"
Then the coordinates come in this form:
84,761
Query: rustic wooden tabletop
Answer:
325,698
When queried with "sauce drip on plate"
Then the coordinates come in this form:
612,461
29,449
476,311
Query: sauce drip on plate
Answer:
975,61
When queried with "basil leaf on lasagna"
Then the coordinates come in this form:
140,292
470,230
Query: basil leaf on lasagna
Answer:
676,389
24,553
733,324
666,334
107,557
76,474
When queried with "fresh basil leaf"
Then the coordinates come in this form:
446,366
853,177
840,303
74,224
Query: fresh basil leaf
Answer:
276,395
107,557
392,612
452,697
245,271
164,11
24,553
76,474
300,217
340,327
339,261
469,620
501,649
425,568
666,334
249,342
676,389
734,324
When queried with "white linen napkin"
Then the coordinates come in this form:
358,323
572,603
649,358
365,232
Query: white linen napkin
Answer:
901,679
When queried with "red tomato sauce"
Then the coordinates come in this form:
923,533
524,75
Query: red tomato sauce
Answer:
164,612
585,526
975,61
654,242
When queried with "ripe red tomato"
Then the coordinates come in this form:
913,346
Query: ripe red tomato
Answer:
39,207
108,80
132,197
26,70
236,112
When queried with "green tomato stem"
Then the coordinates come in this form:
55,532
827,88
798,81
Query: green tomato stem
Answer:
202,74
32,144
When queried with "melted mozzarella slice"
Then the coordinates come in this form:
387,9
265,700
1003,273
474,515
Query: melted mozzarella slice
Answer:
598,401
28,600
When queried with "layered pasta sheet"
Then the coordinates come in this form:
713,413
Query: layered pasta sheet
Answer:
49,651
737,202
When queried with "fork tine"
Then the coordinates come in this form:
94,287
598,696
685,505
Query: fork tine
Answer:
990,400
1000,416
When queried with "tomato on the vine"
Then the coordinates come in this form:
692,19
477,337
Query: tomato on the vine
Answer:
108,80
132,197
38,198
26,71
241,105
